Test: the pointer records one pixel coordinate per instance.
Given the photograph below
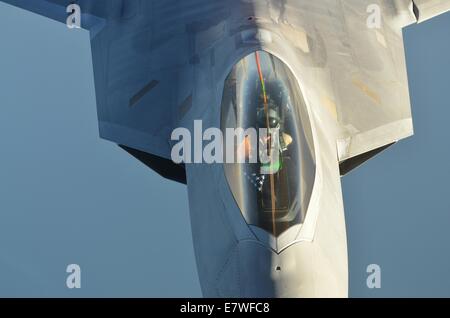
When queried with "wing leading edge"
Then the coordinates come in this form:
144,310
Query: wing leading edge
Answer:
427,9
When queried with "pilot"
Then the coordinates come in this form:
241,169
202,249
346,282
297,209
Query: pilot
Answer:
268,115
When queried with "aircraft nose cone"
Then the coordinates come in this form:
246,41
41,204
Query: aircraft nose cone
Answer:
253,270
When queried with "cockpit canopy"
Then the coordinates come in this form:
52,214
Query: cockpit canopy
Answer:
273,185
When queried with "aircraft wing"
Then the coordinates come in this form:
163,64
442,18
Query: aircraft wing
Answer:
427,9
136,69
370,94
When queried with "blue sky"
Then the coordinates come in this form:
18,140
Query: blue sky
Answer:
68,197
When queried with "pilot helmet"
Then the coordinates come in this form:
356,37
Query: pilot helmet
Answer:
271,118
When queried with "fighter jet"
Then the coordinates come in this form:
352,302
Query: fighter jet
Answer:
329,75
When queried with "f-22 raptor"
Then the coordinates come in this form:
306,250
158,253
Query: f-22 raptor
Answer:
329,74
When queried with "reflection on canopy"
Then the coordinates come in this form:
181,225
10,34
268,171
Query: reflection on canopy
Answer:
262,93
